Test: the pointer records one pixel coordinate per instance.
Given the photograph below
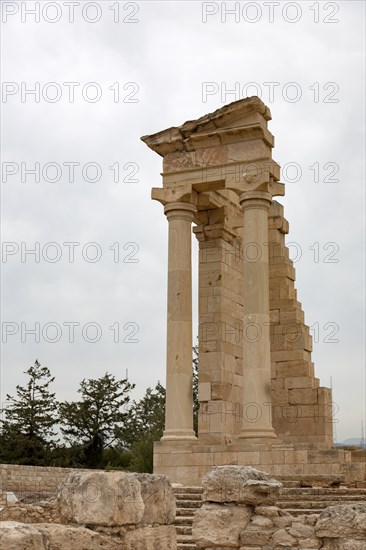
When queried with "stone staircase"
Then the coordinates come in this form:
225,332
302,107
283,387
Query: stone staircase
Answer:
189,499
294,499
312,500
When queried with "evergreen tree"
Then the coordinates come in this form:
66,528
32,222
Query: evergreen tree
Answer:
144,426
196,403
27,428
92,423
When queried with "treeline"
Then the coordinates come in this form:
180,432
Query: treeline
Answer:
105,428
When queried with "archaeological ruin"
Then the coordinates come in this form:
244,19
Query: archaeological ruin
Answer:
262,472
260,401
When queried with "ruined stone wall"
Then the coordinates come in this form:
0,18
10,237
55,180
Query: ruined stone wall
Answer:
95,510
301,409
32,479
239,512
220,321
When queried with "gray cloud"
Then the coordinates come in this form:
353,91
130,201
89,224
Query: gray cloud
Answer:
169,54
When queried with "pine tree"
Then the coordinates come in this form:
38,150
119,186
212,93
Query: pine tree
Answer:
196,403
145,425
92,422
27,429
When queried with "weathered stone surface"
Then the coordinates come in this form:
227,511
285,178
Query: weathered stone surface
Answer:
283,521
159,499
343,521
259,537
302,531
261,521
18,536
343,544
240,484
151,538
268,511
101,498
311,519
65,537
42,512
309,543
282,538
216,525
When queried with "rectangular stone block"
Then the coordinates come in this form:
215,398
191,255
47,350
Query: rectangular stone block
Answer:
290,355
306,396
273,370
206,347
274,316
249,458
221,391
324,395
299,382
211,361
272,457
326,456
288,469
204,391
282,270
304,427
292,315
201,459
296,457
281,342
276,242
277,383
280,396
286,369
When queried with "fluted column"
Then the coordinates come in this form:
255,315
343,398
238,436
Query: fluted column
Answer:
257,420
179,390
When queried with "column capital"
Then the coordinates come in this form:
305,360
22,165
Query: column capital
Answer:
180,211
176,193
255,199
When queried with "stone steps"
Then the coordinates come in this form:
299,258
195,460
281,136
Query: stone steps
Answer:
294,499
359,493
189,500
302,511
336,500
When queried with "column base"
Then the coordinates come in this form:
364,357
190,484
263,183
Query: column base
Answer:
179,435
258,435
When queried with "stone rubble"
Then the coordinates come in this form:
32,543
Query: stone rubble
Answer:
94,511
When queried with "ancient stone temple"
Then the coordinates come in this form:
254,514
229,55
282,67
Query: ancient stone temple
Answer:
260,402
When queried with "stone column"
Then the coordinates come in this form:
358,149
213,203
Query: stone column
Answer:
257,419
179,390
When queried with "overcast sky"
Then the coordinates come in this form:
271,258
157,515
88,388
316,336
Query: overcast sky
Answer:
141,67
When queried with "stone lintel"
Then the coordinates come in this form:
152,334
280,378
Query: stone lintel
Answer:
219,173
229,124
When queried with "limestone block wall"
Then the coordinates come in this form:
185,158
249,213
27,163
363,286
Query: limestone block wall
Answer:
188,464
220,314
302,410
95,510
32,479
239,512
